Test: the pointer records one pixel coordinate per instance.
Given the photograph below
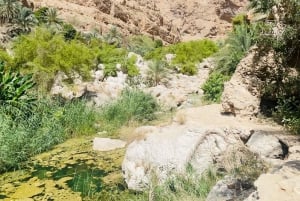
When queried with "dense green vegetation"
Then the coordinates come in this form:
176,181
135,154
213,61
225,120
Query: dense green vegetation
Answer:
187,54
49,123
283,89
227,58
133,105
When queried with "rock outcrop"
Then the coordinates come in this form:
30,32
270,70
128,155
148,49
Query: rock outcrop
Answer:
170,21
242,94
199,140
283,183
170,150
175,92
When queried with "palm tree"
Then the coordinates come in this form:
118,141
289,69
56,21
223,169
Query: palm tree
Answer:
52,19
25,20
113,37
8,10
157,71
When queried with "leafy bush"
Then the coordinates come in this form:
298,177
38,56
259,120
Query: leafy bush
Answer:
69,32
130,68
49,123
133,105
287,112
41,14
44,53
240,19
14,90
236,46
188,54
214,87
110,56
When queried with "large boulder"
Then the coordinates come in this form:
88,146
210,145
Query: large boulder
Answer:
169,150
242,94
282,183
267,145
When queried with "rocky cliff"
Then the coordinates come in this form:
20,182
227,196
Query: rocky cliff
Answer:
169,20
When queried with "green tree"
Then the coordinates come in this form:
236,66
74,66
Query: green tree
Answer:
8,10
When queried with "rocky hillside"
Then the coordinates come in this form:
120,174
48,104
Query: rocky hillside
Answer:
168,20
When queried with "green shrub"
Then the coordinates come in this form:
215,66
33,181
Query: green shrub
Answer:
240,19
130,68
40,14
214,87
188,54
44,54
133,105
110,56
287,112
188,69
69,32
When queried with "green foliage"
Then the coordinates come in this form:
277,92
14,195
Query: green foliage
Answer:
142,44
52,19
287,112
284,89
156,72
188,54
69,32
133,105
110,56
239,20
49,123
188,69
236,46
193,51
14,90
40,14
43,53
25,20
214,87
130,68
9,10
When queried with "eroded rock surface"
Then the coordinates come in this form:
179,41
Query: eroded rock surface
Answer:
170,21
283,183
169,151
242,94
199,140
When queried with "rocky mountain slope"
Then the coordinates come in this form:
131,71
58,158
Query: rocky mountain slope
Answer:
168,20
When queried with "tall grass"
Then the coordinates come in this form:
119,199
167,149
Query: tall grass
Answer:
188,187
133,105
49,123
